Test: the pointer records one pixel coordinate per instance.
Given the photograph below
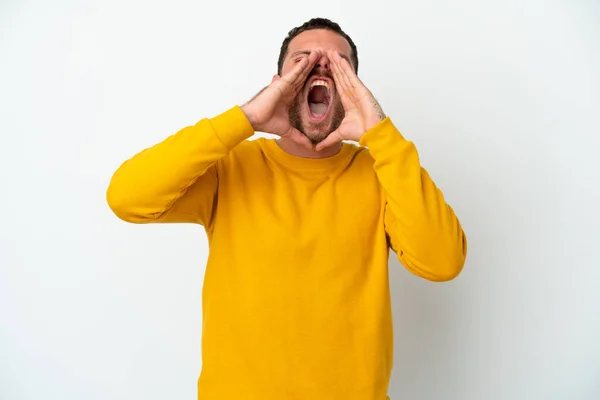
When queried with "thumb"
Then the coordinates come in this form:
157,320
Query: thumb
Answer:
300,138
333,138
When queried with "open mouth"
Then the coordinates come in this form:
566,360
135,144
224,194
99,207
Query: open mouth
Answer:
319,100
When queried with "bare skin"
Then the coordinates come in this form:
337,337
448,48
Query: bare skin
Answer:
268,111
282,107
362,111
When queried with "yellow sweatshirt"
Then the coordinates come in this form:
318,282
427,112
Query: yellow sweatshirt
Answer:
296,302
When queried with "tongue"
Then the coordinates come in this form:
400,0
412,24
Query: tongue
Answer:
317,100
318,94
317,108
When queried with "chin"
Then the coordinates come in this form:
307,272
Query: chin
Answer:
317,110
317,132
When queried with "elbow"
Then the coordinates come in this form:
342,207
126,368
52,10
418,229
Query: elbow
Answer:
447,271
121,203
451,264
441,264
117,204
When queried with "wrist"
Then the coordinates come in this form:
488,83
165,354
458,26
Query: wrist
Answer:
231,127
250,115
371,123
382,127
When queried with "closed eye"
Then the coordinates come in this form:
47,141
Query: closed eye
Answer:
299,55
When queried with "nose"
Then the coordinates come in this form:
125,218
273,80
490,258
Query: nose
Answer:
322,64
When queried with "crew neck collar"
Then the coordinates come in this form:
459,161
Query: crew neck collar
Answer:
305,163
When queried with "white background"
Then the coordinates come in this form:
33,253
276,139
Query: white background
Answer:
501,98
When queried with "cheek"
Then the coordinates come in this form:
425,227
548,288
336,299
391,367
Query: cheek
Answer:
285,69
337,97
287,66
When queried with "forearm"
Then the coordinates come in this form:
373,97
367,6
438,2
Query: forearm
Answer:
146,186
424,230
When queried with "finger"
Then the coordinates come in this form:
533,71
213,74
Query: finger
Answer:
289,79
347,72
351,90
301,139
335,68
294,80
342,87
339,72
330,140
302,69
300,80
313,58
298,137
336,71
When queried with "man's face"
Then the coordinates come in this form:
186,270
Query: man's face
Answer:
317,110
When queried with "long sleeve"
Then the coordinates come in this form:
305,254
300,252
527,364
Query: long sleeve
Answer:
176,180
422,229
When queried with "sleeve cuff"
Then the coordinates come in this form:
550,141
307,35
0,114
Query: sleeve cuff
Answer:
232,127
380,133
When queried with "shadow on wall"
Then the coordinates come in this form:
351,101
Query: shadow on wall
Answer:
429,334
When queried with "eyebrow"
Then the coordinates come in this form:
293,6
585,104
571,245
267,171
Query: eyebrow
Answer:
307,52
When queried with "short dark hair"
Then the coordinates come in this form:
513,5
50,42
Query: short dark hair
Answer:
316,23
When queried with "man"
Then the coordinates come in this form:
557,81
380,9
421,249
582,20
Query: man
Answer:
296,301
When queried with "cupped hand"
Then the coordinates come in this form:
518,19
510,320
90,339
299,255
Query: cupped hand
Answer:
362,111
269,110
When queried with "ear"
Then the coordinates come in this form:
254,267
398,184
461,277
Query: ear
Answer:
275,77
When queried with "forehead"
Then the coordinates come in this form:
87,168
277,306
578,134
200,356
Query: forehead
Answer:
319,39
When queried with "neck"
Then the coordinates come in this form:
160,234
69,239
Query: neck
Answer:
293,148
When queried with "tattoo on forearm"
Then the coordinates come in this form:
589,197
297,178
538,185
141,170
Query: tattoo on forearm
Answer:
377,108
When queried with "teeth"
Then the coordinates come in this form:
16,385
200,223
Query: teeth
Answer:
319,82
